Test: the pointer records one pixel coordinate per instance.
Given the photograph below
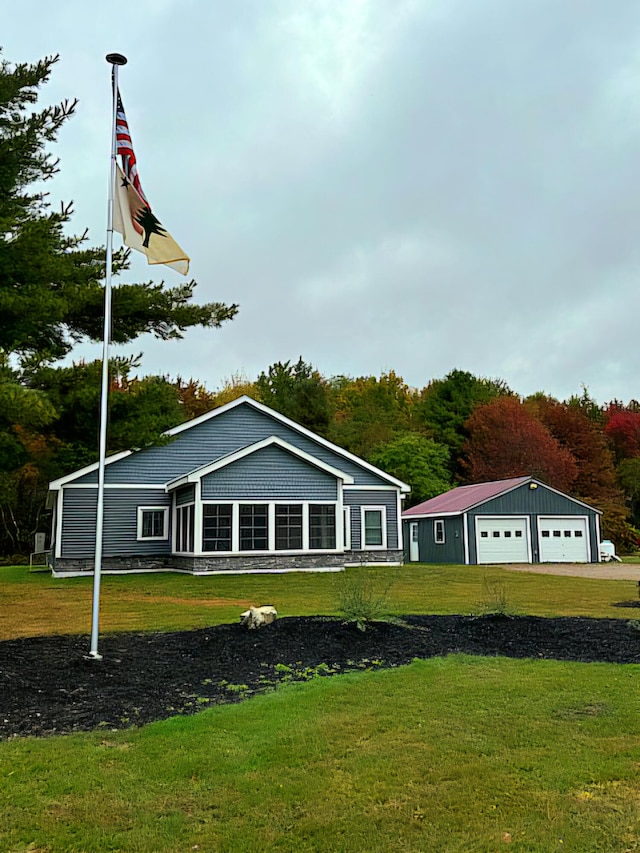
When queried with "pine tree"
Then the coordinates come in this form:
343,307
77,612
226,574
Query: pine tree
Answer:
51,291
52,298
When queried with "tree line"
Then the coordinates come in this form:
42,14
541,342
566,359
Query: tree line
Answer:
455,430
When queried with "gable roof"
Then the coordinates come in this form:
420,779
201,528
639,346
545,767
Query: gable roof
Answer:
244,400
463,498
230,458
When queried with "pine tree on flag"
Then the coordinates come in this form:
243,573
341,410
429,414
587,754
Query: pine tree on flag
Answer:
132,214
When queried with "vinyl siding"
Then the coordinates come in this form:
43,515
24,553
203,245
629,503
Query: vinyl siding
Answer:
357,498
450,551
270,474
217,437
185,495
120,522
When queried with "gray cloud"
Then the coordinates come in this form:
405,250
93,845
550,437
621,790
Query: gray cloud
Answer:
410,186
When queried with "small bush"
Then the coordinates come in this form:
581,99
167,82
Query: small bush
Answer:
495,601
363,601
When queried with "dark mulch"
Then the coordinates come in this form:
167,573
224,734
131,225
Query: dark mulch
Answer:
47,686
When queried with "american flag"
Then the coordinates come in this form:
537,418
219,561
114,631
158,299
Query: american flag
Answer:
124,147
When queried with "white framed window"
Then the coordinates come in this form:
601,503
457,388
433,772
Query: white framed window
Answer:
374,527
185,529
153,523
438,531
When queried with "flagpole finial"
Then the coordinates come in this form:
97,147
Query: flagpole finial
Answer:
116,59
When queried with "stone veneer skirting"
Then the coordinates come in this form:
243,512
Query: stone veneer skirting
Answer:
242,562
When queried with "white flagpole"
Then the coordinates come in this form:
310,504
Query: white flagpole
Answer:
115,60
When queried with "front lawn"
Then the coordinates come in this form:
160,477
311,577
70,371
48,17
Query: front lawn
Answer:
35,604
452,755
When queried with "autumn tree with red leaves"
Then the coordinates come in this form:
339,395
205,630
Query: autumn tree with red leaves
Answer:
507,440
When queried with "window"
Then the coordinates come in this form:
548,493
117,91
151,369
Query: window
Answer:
556,533
438,531
288,527
373,527
507,534
254,527
518,534
567,533
216,527
184,528
322,526
484,534
153,522
496,534
577,533
545,534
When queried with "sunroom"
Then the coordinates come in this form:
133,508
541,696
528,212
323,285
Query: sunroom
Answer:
265,502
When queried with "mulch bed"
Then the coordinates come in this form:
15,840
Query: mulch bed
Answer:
48,686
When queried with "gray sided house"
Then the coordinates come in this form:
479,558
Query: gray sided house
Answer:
520,520
241,488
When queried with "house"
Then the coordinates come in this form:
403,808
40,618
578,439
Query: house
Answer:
241,488
520,520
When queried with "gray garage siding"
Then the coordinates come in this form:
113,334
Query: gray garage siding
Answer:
450,551
120,522
212,439
270,474
534,503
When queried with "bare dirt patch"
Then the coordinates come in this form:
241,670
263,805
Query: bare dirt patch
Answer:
47,686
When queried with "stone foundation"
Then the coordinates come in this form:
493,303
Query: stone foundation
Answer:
240,563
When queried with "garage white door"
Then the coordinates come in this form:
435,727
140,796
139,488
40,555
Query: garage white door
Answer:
564,540
502,540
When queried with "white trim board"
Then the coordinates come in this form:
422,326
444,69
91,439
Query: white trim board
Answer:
198,473
244,400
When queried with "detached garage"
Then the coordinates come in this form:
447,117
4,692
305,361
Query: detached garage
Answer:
520,520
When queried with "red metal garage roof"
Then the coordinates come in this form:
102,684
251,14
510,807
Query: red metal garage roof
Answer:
464,497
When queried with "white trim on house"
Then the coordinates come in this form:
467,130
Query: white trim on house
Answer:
346,536
439,532
165,524
271,550
157,486
399,522
56,484
197,474
58,540
197,517
364,488
383,519
465,538
598,540
260,407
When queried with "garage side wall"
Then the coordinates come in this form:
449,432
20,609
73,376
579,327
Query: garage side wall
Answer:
534,503
450,551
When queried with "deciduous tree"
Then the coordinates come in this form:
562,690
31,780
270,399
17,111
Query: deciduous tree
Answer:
506,440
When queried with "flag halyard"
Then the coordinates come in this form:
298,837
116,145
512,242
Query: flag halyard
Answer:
132,215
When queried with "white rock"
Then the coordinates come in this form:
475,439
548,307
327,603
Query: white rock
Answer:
256,617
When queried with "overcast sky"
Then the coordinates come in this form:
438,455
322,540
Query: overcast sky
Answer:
415,185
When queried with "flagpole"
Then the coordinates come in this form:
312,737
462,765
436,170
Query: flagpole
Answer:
115,60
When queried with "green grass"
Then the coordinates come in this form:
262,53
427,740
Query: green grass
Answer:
459,754
455,755
37,604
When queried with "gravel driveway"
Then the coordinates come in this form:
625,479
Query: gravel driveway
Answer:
603,571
